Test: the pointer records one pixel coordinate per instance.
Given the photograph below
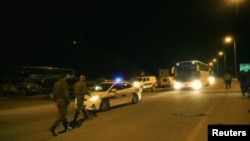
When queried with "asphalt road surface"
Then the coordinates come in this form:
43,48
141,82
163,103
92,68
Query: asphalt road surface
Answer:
162,115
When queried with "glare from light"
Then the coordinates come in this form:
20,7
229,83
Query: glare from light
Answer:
177,85
196,84
228,39
118,79
94,98
136,84
211,80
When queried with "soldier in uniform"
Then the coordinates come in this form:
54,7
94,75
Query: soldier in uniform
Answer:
61,97
80,90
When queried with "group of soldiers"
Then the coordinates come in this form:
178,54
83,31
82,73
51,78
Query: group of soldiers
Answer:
62,100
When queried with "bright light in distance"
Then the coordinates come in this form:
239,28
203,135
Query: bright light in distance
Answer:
211,80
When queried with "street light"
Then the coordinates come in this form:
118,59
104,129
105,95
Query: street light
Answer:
236,2
224,55
217,62
229,39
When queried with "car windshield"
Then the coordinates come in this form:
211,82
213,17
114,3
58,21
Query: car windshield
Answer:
101,87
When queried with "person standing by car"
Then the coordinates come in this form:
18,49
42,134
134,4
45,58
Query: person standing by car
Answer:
61,97
228,80
80,90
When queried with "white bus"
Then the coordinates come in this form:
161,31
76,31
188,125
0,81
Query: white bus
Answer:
192,74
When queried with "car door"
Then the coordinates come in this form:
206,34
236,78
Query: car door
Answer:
118,93
146,82
127,92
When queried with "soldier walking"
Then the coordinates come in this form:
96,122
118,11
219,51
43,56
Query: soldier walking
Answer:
61,98
80,90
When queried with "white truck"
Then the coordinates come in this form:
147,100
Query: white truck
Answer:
164,79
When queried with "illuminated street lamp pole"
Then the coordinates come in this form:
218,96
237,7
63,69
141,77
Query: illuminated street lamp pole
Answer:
217,62
236,2
224,55
229,40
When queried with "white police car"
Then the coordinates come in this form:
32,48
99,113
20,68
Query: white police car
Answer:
111,93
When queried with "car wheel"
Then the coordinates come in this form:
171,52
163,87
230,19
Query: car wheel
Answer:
135,99
153,88
22,93
104,106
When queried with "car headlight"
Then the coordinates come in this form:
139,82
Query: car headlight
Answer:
94,98
136,84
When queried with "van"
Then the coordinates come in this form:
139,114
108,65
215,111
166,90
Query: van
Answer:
145,82
166,81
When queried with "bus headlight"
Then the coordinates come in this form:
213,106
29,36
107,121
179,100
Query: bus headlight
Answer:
177,85
196,84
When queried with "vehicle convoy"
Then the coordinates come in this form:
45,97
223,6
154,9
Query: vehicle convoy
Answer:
111,93
145,82
192,74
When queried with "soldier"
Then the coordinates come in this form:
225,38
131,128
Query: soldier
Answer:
228,80
80,90
61,97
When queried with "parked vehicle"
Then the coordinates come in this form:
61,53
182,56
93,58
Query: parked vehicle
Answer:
145,82
20,87
166,81
25,80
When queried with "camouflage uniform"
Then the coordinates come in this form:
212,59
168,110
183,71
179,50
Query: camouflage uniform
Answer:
61,97
80,90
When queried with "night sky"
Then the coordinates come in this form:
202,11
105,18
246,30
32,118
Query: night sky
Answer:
103,37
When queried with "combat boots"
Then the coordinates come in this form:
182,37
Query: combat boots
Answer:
66,126
53,131
87,115
75,118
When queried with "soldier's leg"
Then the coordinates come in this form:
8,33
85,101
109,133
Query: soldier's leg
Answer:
57,122
78,109
63,118
87,114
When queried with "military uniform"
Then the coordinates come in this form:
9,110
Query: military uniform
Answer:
61,97
80,90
